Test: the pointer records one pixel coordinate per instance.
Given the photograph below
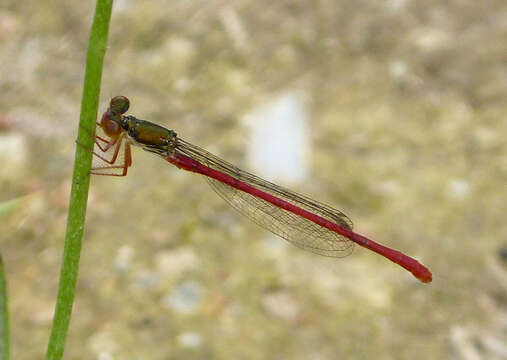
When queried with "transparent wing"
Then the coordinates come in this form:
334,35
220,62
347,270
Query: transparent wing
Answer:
292,227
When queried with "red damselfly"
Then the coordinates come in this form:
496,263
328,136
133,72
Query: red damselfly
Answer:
304,222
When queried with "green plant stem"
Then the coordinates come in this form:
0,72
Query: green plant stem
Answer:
80,180
4,315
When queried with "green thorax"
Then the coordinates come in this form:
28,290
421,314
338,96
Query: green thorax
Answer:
147,133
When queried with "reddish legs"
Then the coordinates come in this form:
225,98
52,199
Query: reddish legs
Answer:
115,142
127,159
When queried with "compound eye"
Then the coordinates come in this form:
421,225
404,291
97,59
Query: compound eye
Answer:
119,105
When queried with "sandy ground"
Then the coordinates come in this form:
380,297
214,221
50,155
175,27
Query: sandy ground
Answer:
406,108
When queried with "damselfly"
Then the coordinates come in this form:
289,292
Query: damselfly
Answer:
304,222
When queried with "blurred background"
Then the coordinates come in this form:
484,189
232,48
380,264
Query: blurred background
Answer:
392,111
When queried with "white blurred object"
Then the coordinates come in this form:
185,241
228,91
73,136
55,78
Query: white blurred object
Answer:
462,344
459,189
281,304
123,258
234,28
13,155
174,262
184,298
189,339
279,139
